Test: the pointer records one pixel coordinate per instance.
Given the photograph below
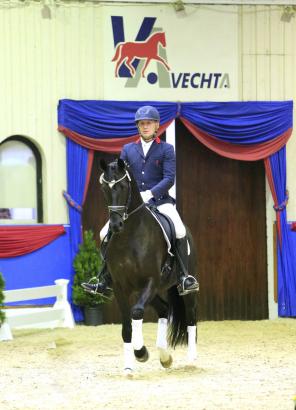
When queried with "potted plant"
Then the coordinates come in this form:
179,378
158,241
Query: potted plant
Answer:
2,313
87,264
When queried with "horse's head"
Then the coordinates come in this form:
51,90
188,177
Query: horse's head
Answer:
161,39
115,182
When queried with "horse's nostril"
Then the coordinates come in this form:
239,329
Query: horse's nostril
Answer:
116,227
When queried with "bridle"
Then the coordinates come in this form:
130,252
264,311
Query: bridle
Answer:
121,210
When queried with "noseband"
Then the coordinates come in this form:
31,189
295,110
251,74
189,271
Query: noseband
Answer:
121,210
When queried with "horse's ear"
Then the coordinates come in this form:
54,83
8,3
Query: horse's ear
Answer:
103,165
121,163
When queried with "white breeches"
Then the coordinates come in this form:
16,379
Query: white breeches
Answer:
167,209
171,211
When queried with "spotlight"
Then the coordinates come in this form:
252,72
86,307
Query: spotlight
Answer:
288,13
179,5
46,12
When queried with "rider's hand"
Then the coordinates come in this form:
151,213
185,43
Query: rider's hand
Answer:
146,196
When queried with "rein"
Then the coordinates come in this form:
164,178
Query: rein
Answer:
121,210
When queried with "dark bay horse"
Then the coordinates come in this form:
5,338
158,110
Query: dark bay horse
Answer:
135,256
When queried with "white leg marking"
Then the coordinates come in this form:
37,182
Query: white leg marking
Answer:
161,341
137,334
162,344
128,353
191,353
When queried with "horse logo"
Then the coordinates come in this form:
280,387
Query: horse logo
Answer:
147,50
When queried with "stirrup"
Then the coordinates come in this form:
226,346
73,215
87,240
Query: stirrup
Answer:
97,287
194,287
92,285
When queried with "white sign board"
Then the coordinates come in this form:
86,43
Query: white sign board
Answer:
156,53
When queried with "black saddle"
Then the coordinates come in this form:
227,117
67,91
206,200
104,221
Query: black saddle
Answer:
166,223
169,230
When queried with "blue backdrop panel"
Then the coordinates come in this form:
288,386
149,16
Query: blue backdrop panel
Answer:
40,268
286,275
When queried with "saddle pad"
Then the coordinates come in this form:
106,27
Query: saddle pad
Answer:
167,227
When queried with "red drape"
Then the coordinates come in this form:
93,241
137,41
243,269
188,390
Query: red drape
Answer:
273,193
111,145
19,240
88,172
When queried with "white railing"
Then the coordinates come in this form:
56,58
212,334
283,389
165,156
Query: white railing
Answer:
59,315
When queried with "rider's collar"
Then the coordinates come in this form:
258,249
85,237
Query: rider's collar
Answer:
157,140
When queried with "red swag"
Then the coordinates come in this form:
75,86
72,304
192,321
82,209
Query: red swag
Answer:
247,152
111,145
19,240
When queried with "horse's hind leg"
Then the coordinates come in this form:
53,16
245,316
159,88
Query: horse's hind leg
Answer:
190,302
137,314
161,308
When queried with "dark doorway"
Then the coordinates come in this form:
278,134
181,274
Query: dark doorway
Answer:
223,203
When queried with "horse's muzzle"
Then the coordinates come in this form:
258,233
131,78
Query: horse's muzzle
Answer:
117,215
116,226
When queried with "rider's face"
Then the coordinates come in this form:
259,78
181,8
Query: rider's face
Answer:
148,129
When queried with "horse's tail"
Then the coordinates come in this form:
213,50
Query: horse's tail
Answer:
177,332
117,52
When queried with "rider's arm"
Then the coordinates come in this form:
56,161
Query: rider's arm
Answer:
169,171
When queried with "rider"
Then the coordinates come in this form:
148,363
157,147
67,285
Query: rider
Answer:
153,164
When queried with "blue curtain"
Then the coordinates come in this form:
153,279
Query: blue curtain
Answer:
107,119
235,122
286,252
249,122
77,161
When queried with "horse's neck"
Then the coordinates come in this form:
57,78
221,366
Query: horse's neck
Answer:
136,199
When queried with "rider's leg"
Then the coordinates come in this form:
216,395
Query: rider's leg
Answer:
187,283
103,281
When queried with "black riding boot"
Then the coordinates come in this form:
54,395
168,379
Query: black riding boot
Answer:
99,284
186,282
102,282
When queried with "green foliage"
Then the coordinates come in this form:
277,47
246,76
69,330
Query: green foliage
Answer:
87,264
2,284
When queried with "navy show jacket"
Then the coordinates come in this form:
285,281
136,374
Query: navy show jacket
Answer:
155,172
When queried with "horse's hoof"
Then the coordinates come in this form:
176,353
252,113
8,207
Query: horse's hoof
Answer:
191,361
128,373
168,363
165,358
142,355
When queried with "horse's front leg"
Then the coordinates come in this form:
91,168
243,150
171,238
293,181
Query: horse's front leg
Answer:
137,314
161,308
126,332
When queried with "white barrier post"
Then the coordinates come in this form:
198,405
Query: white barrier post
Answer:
5,332
62,302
